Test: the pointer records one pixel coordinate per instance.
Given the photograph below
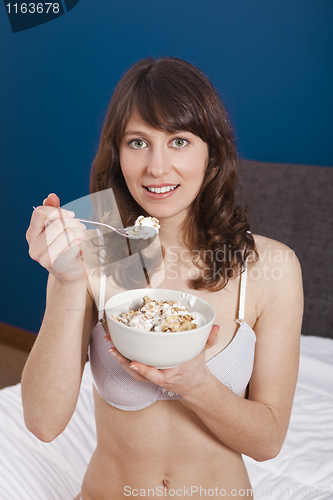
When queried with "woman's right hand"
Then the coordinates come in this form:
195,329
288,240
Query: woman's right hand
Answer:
56,241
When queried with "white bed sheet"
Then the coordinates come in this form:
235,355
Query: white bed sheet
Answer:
32,470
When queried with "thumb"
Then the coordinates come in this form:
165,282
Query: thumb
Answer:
213,337
52,201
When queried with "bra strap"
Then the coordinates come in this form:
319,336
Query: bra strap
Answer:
102,280
242,294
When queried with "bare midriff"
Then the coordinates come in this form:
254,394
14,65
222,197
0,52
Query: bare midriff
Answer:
161,451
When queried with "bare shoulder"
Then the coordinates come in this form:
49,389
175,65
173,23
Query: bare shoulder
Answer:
276,274
274,257
275,254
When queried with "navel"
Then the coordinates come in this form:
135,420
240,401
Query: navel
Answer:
165,483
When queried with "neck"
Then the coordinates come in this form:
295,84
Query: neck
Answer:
171,232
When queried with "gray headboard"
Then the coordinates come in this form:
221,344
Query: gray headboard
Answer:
294,204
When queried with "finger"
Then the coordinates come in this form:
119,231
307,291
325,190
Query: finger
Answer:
213,337
47,245
52,201
65,244
53,213
38,220
39,213
62,224
149,373
116,354
107,338
68,227
71,261
68,255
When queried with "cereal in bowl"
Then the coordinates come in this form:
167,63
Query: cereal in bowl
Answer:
159,316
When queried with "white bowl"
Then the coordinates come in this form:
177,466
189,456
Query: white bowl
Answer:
158,349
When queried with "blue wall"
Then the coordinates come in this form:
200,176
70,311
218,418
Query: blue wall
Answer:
270,59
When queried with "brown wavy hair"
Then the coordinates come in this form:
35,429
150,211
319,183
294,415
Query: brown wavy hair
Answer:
173,95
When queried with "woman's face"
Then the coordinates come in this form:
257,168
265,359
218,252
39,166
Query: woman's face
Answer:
163,171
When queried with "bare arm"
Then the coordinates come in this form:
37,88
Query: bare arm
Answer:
52,375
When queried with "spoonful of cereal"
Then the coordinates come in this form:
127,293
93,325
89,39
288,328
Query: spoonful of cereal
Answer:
144,228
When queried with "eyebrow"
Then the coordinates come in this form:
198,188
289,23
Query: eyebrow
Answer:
141,132
134,132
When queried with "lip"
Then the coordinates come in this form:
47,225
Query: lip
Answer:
159,196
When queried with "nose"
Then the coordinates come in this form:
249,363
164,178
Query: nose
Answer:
157,163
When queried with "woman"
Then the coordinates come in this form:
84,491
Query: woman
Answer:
167,151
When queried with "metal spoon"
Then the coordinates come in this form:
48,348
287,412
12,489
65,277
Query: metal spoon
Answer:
133,232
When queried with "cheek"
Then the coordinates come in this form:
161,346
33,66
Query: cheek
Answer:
199,166
127,168
200,160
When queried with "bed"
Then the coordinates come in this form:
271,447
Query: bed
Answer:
295,207
32,470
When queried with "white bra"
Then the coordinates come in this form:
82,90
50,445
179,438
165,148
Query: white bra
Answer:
232,366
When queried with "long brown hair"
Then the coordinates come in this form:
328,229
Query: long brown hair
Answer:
172,95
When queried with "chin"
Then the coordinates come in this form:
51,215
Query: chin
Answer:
162,210
168,215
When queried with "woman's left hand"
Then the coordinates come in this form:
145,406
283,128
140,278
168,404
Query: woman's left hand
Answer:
180,379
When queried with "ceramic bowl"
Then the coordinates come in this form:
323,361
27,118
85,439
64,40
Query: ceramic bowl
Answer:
158,349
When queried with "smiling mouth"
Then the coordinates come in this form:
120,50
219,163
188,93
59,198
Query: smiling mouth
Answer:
163,189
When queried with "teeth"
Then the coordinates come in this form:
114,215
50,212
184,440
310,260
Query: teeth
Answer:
164,189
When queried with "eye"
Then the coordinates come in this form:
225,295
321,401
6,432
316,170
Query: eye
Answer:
179,143
138,144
